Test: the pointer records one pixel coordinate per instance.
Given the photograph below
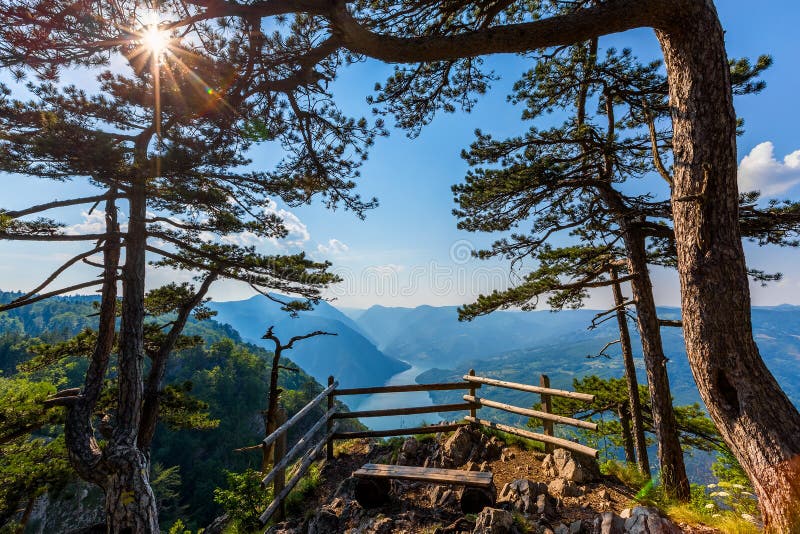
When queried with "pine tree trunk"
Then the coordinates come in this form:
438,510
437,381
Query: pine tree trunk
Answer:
640,443
757,420
670,453
129,501
130,504
627,437
272,409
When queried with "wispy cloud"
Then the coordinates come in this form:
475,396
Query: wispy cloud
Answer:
334,247
761,171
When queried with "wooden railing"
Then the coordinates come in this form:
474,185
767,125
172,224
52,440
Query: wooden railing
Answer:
307,448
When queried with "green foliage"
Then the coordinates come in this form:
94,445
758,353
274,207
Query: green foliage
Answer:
305,488
243,499
696,430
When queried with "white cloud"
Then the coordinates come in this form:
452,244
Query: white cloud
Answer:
297,237
759,170
334,247
298,231
93,223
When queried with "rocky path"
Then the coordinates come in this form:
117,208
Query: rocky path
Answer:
543,494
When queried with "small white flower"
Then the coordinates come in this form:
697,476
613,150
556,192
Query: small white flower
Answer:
712,486
738,486
716,515
714,494
723,494
748,517
710,506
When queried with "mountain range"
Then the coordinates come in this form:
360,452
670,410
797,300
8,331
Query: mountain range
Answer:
375,343
350,356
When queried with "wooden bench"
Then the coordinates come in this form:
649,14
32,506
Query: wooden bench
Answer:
373,484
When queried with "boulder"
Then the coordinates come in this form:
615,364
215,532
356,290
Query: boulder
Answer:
408,452
493,521
608,523
564,488
576,527
546,506
457,448
323,522
646,520
520,495
567,465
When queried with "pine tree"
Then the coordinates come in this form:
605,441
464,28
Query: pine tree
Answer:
174,170
442,43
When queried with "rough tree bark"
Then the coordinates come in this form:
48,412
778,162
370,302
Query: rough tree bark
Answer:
670,453
627,438
640,444
130,503
755,417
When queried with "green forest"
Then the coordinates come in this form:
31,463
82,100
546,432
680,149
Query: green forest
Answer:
613,158
216,390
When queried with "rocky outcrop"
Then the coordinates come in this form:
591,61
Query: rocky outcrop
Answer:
494,521
467,445
564,488
646,520
569,466
520,495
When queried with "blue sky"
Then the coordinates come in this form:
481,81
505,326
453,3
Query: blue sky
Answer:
408,251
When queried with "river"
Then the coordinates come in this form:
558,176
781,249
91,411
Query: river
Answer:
381,401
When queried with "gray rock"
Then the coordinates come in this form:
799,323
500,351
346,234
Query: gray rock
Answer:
576,527
347,489
546,506
494,521
324,522
520,495
567,465
645,520
457,448
561,528
608,523
564,488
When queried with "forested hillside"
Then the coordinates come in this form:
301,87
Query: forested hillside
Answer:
350,356
213,406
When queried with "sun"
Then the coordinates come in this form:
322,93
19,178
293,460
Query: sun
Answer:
154,40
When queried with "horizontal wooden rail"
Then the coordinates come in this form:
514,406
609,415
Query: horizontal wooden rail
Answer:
269,440
558,442
305,463
403,388
404,411
301,446
399,431
530,413
531,389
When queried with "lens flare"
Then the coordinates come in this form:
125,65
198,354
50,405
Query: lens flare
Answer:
155,40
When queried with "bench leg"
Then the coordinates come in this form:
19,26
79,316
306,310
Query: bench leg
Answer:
372,492
474,500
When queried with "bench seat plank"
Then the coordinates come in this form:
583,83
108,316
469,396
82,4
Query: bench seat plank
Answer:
426,474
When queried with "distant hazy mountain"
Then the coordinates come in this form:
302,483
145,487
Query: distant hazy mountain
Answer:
432,336
349,356
776,330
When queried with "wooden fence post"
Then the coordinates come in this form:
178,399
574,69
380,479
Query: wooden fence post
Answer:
473,411
544,381
331,400
279,452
